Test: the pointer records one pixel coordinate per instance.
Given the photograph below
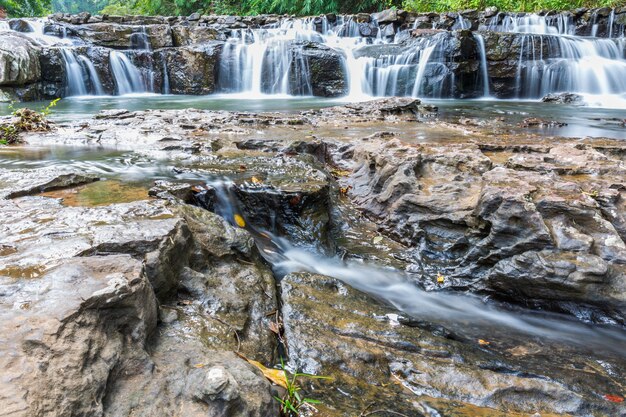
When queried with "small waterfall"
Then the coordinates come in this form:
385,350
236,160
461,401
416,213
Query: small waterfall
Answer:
93,75
140,40
421,69
4,25
558,24
166,77
396,289
126,76
484,69
267,61
81,74
76,85
611,23
461,23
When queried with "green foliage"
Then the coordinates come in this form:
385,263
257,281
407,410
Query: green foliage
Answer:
26,8
506,5
296,7
292,403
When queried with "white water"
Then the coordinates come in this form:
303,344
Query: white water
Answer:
592,67
126,75
275,61
75,80
484,69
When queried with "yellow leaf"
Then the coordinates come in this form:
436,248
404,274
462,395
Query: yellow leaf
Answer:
199,365
483,342
440,279
239,220
255,180
377,240
276,376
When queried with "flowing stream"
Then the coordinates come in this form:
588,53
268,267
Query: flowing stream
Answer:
460,312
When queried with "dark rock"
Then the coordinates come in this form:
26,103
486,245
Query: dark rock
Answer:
326,68
562,98
192,69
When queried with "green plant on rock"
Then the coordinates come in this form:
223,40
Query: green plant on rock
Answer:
293,404
25,120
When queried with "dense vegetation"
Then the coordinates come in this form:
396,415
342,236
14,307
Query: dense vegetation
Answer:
298,7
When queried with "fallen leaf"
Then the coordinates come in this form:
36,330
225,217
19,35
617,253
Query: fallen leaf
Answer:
239,220
277,376
614,398
255,180
440,279
344,190
377,240
483,342
199,365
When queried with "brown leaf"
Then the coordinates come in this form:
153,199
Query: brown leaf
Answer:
276,376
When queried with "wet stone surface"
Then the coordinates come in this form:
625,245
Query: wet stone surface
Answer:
122,290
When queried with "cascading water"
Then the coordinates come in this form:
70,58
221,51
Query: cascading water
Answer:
552,60
396,289
93,75
126,76
76,85
484,69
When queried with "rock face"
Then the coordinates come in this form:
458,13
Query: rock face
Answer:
334,330
326,69
192,69
86,321
137,308
528,227
19,60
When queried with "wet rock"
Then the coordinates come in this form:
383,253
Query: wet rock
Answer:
538,122
333,330
31,182
119,36
326,69
387,16
463,215
193,34
562,98
19,60
88,288
192,69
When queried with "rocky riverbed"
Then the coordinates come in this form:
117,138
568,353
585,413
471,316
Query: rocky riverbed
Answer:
141,252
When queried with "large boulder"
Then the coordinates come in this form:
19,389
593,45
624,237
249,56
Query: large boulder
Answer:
326,69
192,69
19,60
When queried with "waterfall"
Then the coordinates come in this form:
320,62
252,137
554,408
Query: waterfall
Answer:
421,69
80,73
484,69
166,77
267,61
461,23
76,85
140,40
558,24
126,76
93,75
4,26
